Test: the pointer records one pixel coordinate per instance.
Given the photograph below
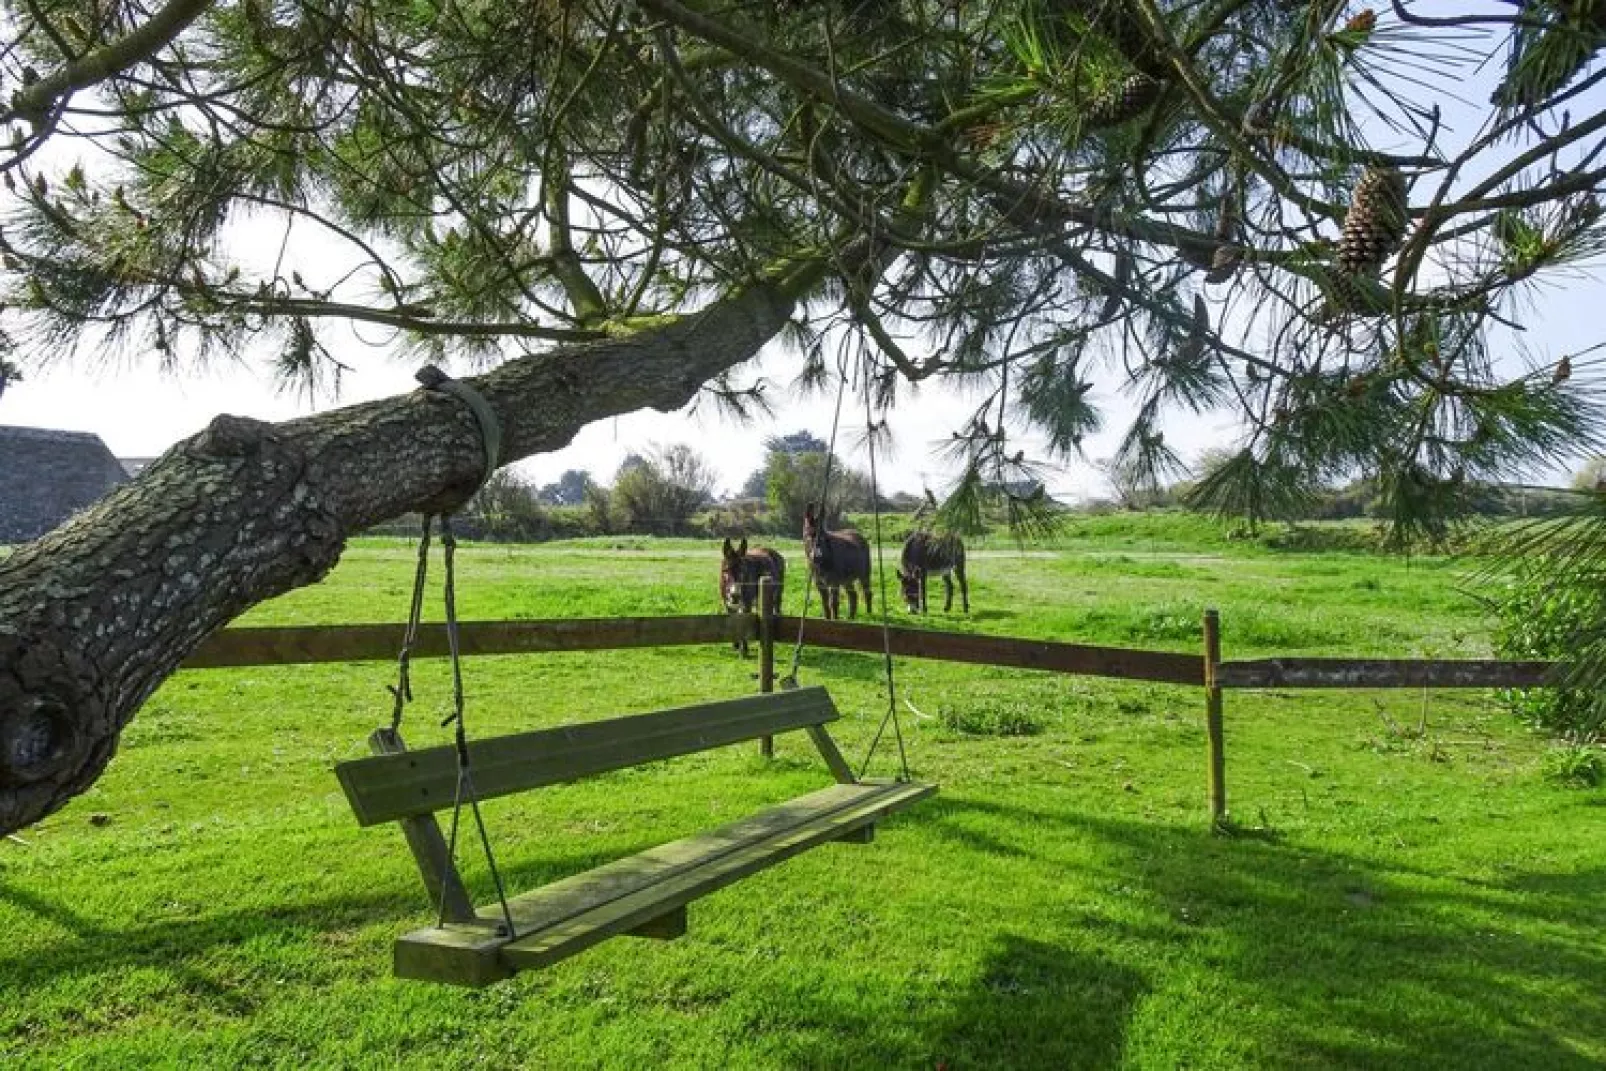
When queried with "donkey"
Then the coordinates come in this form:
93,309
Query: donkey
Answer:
836,559
740,571
925,555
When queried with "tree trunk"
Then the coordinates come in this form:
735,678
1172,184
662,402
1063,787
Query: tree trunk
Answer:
95,615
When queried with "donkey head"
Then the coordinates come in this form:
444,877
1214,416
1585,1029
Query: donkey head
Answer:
910,582
816,541
730,575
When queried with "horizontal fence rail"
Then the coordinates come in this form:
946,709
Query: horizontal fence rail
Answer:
1384,673
1126,663
372,643
288,645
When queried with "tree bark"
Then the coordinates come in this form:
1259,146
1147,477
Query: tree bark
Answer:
95,615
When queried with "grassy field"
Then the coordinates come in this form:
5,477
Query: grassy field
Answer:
1399,896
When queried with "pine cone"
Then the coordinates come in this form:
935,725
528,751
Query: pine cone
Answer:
1123,101
1375,223
1352,295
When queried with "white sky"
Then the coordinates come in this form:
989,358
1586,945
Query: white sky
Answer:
139,411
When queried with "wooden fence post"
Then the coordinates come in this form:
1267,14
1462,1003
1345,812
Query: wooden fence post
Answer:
1217,751
766,655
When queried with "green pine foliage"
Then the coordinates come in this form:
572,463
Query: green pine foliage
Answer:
1046,202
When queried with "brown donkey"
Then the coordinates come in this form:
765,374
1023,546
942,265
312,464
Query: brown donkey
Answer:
740,571
926,555
837,560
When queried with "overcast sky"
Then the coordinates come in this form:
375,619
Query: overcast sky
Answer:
140,411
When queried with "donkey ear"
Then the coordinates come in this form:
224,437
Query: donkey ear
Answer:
741,548
727,547
900,574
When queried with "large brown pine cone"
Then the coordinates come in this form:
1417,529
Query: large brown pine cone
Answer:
1375,223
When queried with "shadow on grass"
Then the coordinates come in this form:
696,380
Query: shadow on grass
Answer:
98,946
183,946
1035,1004
1343,961
1253,953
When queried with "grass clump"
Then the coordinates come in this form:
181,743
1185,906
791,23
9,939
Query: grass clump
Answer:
1001,717
1575,765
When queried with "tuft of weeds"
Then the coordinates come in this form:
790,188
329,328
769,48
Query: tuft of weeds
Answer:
1575,765
991,717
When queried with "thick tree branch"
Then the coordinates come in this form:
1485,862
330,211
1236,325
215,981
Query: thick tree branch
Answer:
33,102
94,616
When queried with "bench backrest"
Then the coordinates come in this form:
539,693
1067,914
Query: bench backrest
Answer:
383,788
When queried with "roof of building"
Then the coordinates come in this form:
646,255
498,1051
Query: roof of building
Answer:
47,475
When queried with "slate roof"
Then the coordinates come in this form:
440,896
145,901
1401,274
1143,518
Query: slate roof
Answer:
46,476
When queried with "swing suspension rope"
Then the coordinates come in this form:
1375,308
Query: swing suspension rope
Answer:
790,680
870,429
465,780
402,691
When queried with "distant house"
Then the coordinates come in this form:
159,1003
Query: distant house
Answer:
46,476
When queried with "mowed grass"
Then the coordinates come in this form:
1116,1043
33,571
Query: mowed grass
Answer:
1396,897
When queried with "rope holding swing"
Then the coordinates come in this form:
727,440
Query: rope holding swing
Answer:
886,619
465,779
789,682
490,430
402,691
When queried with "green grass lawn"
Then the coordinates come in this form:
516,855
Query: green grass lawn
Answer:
1396,899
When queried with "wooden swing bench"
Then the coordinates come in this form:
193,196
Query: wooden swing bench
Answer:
643,895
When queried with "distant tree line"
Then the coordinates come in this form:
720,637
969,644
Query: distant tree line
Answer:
673,490
1294,502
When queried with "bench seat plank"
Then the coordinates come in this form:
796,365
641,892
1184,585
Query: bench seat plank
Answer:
573,914
384,788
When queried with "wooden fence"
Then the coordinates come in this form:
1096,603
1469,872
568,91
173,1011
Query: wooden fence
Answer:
1207,670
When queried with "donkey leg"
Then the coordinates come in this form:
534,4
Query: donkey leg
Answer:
947,593
925,579
964,587
827,608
